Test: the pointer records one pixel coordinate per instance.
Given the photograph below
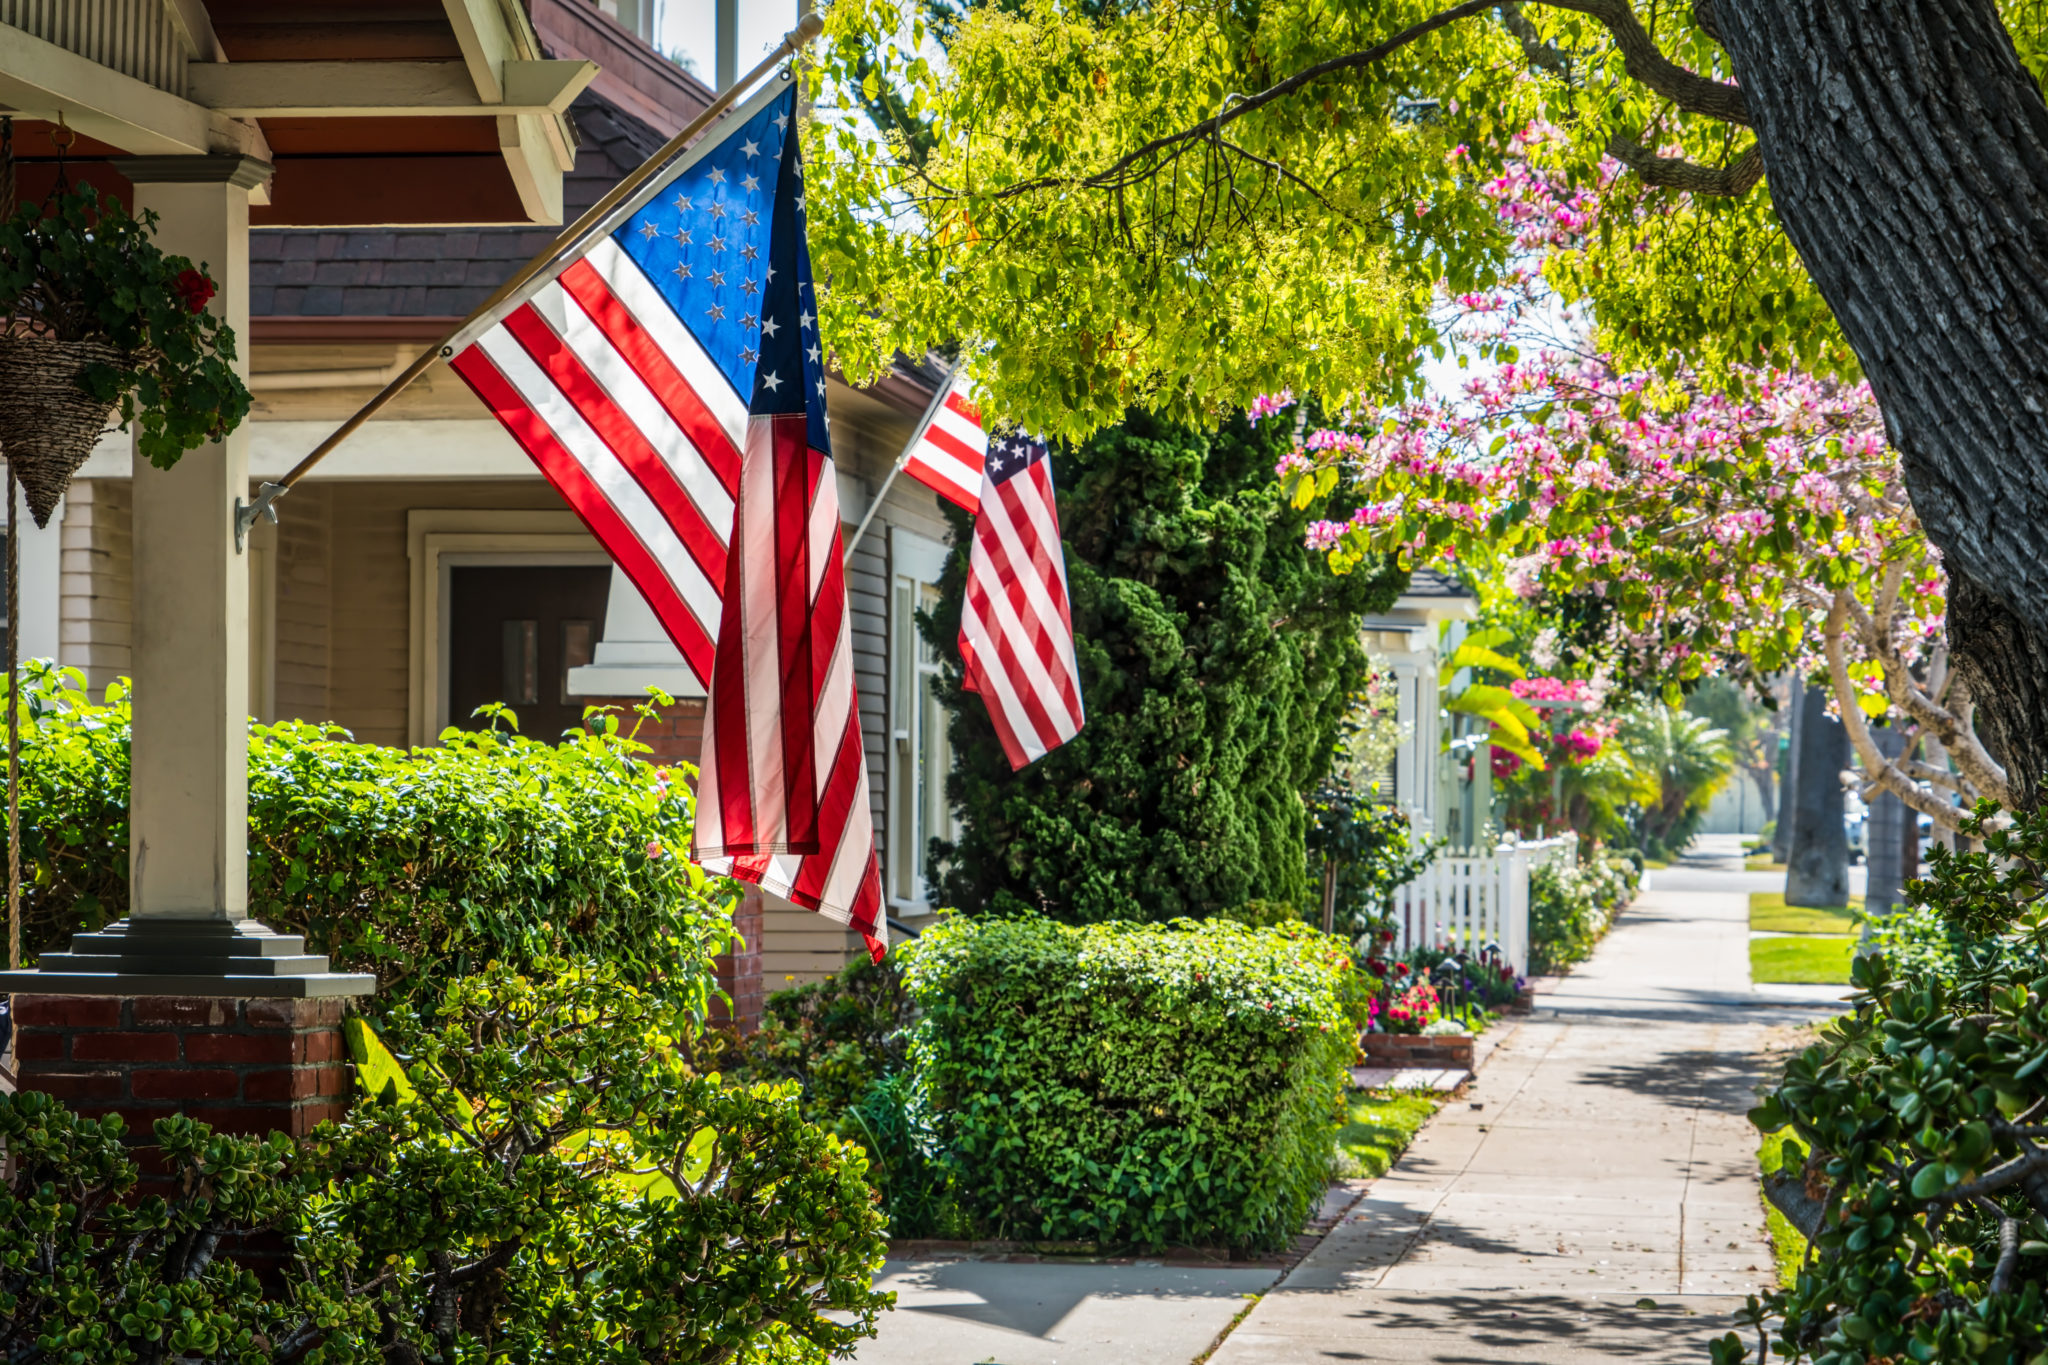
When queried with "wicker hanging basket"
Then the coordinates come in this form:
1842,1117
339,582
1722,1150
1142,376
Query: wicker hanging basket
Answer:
48,424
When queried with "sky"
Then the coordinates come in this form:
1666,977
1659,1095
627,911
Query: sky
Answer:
686,28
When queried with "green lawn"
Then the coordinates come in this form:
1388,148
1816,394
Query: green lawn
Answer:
1768,914
1382,1123
1801,959
1788,1244
1760,862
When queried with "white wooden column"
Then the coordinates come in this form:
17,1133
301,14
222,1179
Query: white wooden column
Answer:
189,771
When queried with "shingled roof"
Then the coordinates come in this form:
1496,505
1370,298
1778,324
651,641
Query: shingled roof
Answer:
309,273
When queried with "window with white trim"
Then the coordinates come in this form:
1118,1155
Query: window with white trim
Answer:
920,754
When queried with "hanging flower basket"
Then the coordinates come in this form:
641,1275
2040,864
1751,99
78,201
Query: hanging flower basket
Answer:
49,423
98,324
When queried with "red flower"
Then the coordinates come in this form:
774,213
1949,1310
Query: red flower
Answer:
194,289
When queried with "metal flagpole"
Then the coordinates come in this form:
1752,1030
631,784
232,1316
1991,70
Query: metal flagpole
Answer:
917,434
809,27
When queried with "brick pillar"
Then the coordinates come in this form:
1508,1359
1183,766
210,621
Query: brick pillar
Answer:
739,973
244,1066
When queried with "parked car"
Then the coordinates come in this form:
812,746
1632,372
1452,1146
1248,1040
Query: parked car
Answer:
1856,824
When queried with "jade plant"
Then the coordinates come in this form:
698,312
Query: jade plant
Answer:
1918,1159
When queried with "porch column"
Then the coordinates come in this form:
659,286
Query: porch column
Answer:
188,931
189,775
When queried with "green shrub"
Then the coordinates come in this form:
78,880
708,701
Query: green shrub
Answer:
419,865
551,1183
1572,905
843,1042
1133,1085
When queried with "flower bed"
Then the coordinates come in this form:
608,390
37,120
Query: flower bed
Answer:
1441,1052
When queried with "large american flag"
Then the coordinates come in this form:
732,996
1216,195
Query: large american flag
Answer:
948,455
1016,630
668,381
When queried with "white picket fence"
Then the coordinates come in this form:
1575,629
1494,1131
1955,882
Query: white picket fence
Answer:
1468,902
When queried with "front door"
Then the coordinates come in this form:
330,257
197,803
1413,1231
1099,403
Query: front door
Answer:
513,636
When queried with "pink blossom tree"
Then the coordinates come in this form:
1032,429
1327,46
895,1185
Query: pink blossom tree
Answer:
1755,531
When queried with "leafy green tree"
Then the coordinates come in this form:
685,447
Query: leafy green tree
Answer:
1752,732
1185,205
1218,657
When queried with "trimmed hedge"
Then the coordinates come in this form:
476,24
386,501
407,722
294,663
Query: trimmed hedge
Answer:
1129,1084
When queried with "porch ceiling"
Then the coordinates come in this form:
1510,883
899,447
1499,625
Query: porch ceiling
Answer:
374,112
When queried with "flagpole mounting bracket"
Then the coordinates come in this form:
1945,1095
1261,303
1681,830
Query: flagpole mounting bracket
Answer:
262,505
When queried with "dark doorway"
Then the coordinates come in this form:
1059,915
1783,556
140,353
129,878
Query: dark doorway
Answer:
513,636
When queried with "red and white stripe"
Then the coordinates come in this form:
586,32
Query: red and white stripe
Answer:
631,421
782,775
1016,628
949,455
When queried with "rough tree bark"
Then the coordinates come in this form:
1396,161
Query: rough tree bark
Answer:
1817,872
1884,840
1906,150
1788,809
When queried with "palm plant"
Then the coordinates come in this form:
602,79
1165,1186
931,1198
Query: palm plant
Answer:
1689,759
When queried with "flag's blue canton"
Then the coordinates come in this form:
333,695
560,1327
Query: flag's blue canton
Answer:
1012,454
703,240
792,372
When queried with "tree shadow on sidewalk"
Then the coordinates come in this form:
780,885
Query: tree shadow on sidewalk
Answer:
1486,1329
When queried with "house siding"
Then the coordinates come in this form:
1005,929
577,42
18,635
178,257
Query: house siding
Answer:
301,630
95,592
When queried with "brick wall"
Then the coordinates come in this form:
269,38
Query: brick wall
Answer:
678,737
242,1066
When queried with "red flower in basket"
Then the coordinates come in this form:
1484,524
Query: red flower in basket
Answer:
195,289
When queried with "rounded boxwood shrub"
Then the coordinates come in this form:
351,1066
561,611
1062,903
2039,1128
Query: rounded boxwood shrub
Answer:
1130,1084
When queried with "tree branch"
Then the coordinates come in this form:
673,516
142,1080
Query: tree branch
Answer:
1543,56
1642,59
1230,114
1882,770
2008,1247
1788,1195
1731,181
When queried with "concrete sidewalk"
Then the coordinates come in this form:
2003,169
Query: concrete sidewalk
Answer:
1603,1159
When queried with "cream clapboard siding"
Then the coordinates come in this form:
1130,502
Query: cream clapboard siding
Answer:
301,633
95,595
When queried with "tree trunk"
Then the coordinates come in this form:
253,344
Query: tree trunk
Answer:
1818,871
1885,838
1906,150
1788,809
1765,776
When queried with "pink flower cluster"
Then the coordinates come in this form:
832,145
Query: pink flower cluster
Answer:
1269,404
1577,746
1551,689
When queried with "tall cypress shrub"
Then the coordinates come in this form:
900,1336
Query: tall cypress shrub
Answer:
1217,654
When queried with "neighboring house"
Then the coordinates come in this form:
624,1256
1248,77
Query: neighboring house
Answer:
426,568
1421,779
